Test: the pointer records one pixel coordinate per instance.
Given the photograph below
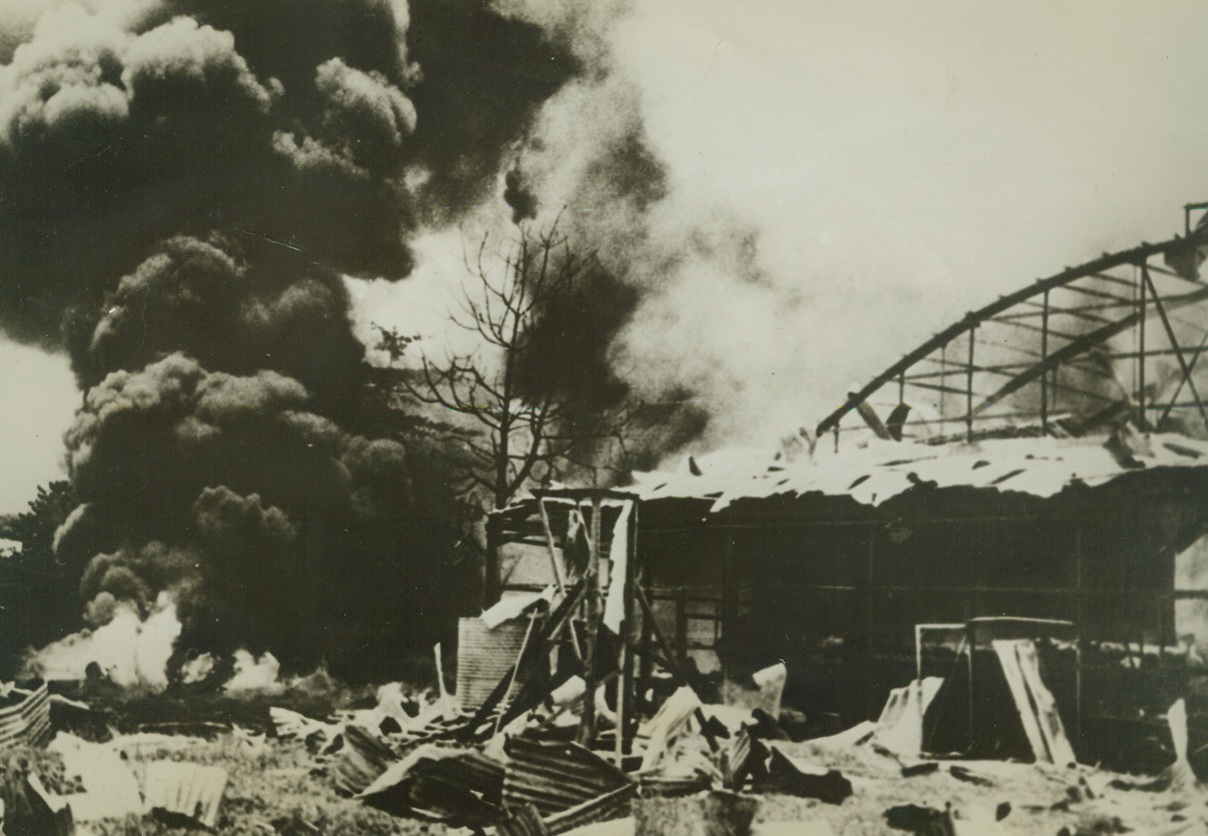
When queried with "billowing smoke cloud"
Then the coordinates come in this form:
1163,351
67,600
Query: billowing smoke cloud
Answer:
646,333
230,495
113,140
184,187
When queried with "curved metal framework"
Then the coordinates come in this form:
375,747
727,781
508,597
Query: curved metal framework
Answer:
1114,339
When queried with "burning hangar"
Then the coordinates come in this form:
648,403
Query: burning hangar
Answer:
1038,469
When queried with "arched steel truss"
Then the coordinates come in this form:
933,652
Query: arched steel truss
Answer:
1114,339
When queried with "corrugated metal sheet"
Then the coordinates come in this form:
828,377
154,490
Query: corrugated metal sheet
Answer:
361,761
186,789
554,777
439,783
1038,466
26,722
611,805
484,657
522,821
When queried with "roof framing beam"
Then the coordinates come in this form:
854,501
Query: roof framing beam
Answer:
1094,269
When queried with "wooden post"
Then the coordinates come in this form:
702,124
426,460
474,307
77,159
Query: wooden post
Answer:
643,585
1078,609
626,633
729,601
587,725
870,698
492,583
681,626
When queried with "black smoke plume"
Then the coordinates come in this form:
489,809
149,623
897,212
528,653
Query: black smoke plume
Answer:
184,187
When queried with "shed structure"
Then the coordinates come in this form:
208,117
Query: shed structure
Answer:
1042,458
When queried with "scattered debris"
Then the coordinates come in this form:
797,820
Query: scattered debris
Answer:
44,815
921,768
461,787
288,724
963,773
671,718
360,761
715,812
607,807
793,776
521,821
1034,702
766,695
185,790
900,727
485,655
857,735
110,787
554,777
919,819
25,716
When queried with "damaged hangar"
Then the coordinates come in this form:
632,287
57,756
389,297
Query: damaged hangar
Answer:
1038,469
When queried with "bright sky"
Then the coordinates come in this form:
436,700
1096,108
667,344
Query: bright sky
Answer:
910,161
37,402
905,162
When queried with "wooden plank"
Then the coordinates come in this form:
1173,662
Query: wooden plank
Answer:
1048,719
1007,657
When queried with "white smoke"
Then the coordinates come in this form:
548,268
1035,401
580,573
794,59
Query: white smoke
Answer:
127,650
255,674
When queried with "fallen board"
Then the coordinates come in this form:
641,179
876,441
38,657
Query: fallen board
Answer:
1033,701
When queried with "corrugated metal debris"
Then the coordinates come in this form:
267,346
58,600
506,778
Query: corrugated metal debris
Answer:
186,789
555,777
25,719
290,724
606,807
458,786
521,821
361,761
486,655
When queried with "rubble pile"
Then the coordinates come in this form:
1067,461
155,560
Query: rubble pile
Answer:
550,731
736,767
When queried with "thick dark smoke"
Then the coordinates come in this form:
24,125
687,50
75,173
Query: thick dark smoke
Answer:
112,141
183,188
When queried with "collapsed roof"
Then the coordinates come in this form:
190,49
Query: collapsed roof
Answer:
879,471
1111,340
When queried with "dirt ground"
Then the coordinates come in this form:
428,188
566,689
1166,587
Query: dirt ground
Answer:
1030,799
278,787
272,790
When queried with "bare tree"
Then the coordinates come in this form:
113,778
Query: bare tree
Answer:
520,438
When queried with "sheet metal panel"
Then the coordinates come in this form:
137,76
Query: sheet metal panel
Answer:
28,721
186,788
554,777
484,657
612,805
